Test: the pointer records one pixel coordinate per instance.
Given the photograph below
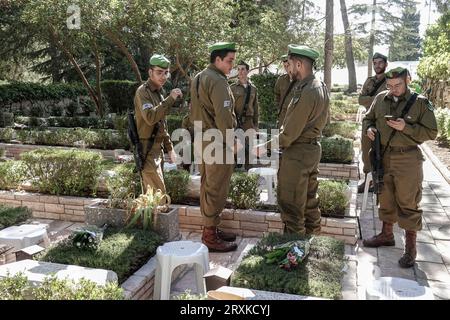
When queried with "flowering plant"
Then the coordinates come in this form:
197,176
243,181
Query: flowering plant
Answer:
288,255
88,237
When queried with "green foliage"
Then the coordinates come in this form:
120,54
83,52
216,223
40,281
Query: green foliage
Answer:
87,238
17,287
67,122
63,172
6,134
174,122
337,149
343,128
405,41
122,251
443,123
119,94
123,185
333,197
177,182
6,119
319,275
268,111
339,107
187,295
11,216
244,190
12,174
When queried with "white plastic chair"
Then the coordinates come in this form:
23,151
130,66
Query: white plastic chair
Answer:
360,114
391,288
366,191
176,253
270,181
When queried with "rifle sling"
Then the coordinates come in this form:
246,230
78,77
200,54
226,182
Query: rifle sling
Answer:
291,85
405,110
377,86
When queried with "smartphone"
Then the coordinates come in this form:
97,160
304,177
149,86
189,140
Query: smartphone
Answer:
390,117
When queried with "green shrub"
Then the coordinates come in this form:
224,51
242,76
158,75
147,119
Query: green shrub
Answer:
123,185
174,122
319,275
63,172
119,94
177,182
6,134
442,118
244,190
122,251
338,96
268,111
6,119
17,287
333,198
343,128
12,174
11,216
337,149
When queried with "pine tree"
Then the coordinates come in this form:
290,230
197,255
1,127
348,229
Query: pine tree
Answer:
405,40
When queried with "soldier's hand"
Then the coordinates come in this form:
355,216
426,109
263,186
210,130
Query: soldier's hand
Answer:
398,124
172,157
371,133
175,93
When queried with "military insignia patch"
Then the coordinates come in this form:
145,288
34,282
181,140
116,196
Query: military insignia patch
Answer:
147,106
226,103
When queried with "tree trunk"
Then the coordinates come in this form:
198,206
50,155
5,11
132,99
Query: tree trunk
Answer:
98,76
74,63
350,60
328,64
371,39
122,48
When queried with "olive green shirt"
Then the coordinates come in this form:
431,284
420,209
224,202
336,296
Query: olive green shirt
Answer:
150,108
281,86
420,120
307,113
212,100
364,98
252,111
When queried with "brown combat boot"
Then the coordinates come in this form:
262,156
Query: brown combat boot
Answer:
385,238
226,236
409,256
210,238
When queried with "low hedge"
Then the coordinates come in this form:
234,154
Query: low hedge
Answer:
12,174
336,149
343,128
443,123
67,122
333,197
244,190
17,287
268,111
122,251
123,185
63,172
177,182
319,275
11,216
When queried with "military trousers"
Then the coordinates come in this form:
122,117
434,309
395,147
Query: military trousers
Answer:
297,188
402,190
152,174
366,144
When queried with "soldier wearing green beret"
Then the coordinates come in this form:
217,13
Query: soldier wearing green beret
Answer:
283,91
306,116
213,106
151,109
404,120
373,86
246,105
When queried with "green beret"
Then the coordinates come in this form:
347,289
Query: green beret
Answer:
159,61
222,46
378,55
396,72
303,51
284,57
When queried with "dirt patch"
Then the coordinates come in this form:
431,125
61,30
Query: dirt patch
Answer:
441,150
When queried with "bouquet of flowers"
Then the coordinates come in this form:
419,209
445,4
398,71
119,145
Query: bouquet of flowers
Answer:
88,237
288,255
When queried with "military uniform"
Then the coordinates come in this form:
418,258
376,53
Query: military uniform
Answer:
188,125
366,100
281,89
150,110
213,105
306,116
403,167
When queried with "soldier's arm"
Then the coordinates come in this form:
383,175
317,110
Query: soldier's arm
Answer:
364,99
370,117
150,113
256,111
223,106
426,127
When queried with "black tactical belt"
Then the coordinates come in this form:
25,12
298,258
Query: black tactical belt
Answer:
401,149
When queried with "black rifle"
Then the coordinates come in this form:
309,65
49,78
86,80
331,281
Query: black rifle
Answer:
376,160
244,110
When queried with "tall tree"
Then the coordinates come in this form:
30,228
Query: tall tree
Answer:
371,38
405,40
349,58
328,62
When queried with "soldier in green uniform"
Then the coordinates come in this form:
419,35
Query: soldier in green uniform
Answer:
402,159
306,116
283,91
213,105
246,105
151,108
373,86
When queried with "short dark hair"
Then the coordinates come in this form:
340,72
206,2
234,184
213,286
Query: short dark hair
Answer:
243,63
302,58
219,53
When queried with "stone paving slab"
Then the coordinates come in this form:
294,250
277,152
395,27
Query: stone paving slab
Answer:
428,252
441,290
443,247
432,271
440,232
